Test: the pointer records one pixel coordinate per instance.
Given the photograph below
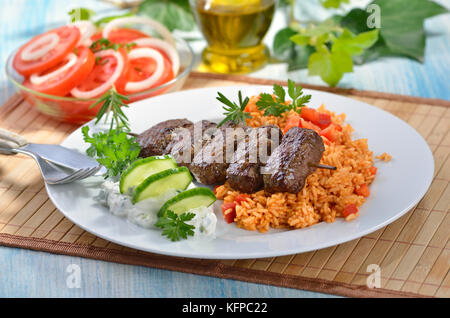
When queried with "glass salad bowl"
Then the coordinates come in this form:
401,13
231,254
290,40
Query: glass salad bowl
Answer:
78,110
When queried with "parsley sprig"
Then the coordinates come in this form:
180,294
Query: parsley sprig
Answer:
111,103
174,226
233,112
114,149
276,105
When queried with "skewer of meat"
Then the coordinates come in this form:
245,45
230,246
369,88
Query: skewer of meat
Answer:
155,140
293,161
244,174
184,143
210,164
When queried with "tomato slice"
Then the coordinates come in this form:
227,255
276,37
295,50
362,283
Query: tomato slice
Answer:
101,72
61,84
141,68
122,36
68,38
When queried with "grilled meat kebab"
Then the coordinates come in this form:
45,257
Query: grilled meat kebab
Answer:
244,174
293,161
155,140
182,147
210,164
297,156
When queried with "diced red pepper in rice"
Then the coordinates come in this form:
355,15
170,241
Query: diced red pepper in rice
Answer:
350,209
363,190
240,198
229,211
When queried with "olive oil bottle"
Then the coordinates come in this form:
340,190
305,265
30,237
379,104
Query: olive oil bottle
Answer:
234,31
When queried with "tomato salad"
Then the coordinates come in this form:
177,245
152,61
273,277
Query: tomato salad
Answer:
81,61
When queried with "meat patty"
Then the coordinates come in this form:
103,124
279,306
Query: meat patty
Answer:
184,143
210,164
155,140
290,163
244,174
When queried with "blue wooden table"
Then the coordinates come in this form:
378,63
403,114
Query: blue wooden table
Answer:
26,273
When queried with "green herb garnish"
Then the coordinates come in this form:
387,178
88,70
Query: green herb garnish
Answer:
174,226
233,112
276,105
112,102
114,149
105,44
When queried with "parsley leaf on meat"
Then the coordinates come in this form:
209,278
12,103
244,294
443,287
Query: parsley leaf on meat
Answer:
174,226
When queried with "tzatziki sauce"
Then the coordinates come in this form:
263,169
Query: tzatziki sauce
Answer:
144,213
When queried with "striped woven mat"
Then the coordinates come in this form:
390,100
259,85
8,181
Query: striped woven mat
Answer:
413,252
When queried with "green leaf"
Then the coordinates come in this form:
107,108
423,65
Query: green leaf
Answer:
402,32
102,21
356,21
113,149
279,92
174,14
322,28
233,112
300,39
276,106
330,66
174,227
79,14
333,3
354,44
285,50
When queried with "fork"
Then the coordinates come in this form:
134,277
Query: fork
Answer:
11,143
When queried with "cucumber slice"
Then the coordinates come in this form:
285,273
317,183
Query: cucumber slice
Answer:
187,200
161,182
141,169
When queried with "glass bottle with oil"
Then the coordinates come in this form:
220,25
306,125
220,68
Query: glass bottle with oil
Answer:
234,30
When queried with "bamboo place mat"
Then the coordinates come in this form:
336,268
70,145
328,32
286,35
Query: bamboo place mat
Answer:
413,252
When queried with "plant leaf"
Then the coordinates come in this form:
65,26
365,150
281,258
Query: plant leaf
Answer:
79,14
330,66
285,50
333,3
402,32
174,14
355,44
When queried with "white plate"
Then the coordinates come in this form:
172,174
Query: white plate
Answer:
399,184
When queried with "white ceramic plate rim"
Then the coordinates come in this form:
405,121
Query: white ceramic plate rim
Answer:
278,242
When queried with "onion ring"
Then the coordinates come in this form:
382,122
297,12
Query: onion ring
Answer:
162,30
148,82
30,54
35,79
87,29
106,85
166,47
